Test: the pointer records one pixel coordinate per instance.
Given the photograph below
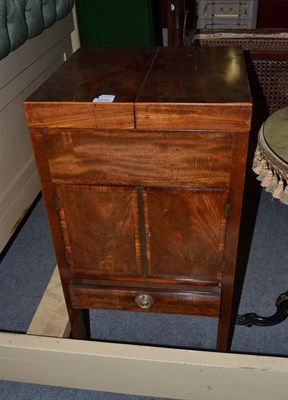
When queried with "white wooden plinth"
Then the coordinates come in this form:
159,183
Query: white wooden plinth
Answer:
142,370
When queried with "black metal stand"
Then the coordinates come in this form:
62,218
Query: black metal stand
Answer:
280,315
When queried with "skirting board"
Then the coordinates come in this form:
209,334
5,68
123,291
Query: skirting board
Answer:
141,370
133,369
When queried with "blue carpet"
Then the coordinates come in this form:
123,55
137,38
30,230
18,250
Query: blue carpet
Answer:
25,391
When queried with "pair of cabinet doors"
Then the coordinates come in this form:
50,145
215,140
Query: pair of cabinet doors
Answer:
143,233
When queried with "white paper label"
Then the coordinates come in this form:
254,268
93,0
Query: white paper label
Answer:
104,98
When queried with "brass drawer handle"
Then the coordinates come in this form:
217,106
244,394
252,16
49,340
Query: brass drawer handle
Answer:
144,300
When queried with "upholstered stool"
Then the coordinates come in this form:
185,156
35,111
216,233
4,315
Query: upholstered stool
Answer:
271,165
271,156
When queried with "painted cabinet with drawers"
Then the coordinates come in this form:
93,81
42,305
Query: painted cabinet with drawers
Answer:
227,14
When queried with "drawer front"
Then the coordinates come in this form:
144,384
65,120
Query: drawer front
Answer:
225,24
146,300
177,159
226,9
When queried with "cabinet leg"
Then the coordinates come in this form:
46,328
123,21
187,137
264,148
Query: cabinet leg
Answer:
223,337
80,324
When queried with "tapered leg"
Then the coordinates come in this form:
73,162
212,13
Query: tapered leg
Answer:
224,336
80,323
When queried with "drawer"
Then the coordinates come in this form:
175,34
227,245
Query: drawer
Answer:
200,302
177,159
225,23
226,9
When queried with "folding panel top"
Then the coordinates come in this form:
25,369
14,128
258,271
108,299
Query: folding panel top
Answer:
150,88
195,88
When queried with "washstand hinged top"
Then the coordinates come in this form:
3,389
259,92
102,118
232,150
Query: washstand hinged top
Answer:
189,77
141,154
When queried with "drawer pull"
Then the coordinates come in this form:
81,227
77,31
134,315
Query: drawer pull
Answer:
144,300
228,10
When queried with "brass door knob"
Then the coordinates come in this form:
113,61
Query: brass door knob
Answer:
144,300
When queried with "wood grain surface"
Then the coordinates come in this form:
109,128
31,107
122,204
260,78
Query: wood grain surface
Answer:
101,229
200,159
144,194
185,233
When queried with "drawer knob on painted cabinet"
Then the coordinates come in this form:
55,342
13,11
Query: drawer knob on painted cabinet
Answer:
228,10
144,300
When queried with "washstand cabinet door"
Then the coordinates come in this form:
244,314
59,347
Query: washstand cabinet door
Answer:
101,230
185,231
